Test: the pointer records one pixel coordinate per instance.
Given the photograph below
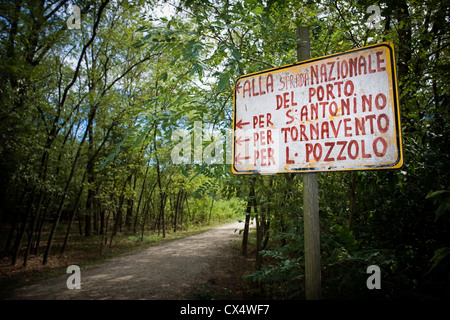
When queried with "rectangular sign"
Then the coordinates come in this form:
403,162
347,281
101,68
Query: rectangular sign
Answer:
333,113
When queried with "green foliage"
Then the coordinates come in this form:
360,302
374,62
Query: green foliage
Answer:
346,237
444,202
282,274
439,255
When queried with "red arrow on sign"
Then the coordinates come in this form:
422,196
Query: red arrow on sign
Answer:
238,158
240,124
240,140
237,88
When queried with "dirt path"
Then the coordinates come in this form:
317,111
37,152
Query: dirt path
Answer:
167,271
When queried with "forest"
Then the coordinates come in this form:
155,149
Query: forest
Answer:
96,98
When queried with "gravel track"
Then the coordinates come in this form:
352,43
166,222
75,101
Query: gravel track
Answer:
168,271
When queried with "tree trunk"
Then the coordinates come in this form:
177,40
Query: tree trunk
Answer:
91,187
118,217
140,199
130,203
177,208
44,167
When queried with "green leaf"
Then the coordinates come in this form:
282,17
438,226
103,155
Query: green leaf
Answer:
108,160
200,169
142,28
196,68
224,81
183,171
236,54
138,44
444,205
146,37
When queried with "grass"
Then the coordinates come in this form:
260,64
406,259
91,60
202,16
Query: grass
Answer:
83,251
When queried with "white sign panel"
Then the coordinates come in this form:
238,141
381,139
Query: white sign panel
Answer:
338,112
